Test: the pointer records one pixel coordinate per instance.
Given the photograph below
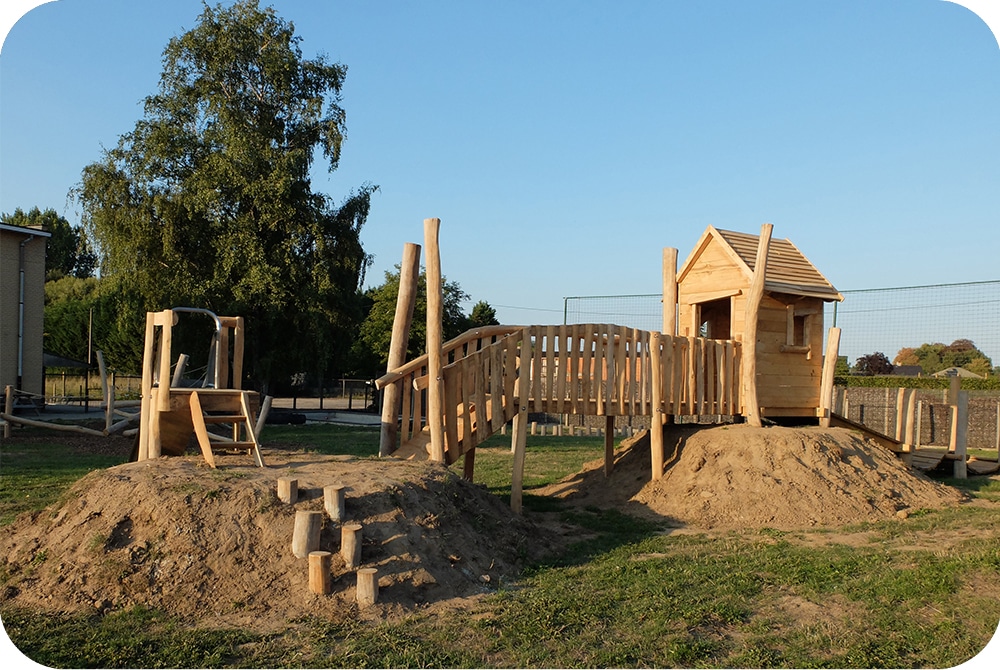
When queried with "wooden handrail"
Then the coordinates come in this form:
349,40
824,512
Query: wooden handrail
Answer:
448,347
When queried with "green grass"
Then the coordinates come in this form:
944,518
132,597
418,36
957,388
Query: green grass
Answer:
34,474
323,438
629,593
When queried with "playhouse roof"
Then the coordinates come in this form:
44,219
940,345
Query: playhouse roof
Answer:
788,270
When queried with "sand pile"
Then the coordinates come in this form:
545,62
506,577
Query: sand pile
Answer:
175,535
729,477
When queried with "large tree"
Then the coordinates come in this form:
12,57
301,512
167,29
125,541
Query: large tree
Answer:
207,202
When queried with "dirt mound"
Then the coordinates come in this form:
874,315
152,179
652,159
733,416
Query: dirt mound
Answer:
728,477
175,535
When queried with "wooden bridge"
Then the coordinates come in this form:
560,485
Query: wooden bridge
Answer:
493,375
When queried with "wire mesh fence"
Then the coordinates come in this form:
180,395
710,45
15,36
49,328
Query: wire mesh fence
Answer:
889,319
871,320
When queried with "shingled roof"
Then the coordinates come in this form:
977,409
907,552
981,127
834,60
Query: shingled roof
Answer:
788,270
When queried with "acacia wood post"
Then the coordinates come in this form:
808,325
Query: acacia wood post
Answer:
305,533
435,367
367,590
900,412
960,432
911,406
265,409
288,490
670,291
350,545
519,430
320,577
751,407
826,391
333,501
656,421
406,299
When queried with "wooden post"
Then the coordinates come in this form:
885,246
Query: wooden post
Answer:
670,291
182,361
409,273
367,591
609,445
656,421
826,383
920,424
435,366
900,412
305,533
265,409
320,578
350,545
288,490
469,465
8,407
911,405
519,431
146,406
333,501
960,433
998,433
751,408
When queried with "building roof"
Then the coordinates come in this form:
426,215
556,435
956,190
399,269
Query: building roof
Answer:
956,372
24,230
788,270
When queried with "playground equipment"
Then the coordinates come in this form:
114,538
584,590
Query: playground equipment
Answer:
171,412
742,339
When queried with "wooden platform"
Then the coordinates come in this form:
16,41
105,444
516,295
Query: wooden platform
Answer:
926,460
890,443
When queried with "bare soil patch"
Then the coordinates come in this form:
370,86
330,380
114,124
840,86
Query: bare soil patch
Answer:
215,545
733,477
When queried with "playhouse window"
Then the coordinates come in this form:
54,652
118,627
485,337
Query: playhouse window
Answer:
714,319
798,326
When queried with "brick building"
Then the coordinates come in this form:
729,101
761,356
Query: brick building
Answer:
22,307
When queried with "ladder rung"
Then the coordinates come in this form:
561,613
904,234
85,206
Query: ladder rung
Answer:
224,418
231,446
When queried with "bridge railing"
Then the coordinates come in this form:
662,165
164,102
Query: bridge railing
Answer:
590,369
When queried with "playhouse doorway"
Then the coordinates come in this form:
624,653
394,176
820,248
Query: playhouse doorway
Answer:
715,319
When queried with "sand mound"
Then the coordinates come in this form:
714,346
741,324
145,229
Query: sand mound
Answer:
215,545
173,534
729,477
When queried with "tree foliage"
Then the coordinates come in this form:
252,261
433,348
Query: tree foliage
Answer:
67,252
207,202
934,357
371,347
483,315
873,364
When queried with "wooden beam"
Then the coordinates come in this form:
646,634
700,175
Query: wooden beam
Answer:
406,299
656,421
435,390
826,381
751,408
670,291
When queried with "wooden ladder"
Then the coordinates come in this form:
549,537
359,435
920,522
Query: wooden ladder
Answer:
242,422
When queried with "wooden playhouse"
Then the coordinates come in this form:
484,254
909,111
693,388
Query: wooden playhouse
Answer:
713,287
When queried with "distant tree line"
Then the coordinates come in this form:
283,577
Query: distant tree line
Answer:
929,357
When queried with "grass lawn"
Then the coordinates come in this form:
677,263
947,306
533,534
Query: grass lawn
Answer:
914,593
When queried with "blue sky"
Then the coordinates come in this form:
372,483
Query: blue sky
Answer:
564,144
